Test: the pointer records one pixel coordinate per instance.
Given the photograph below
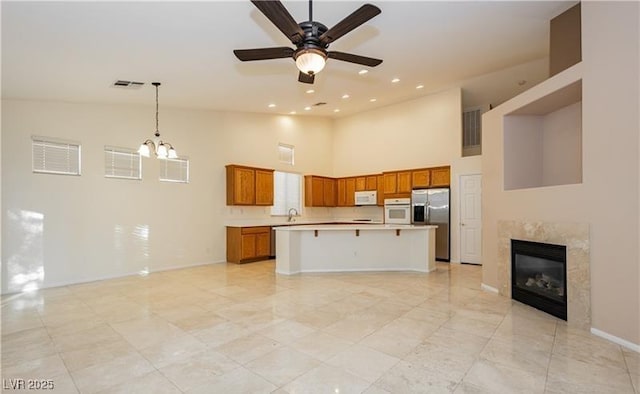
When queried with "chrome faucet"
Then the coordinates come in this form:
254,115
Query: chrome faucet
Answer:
291,213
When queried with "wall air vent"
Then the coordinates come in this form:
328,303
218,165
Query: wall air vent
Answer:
127,84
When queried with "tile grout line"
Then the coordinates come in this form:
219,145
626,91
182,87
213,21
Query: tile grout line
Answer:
553,345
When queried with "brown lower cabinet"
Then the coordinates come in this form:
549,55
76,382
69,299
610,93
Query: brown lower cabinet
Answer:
245,244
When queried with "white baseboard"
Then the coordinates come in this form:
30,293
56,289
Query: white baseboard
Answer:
107,277
617,340
489,288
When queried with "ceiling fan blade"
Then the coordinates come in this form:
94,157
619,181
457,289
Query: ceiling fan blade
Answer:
305,78
351,58
358,17
280,17
263,53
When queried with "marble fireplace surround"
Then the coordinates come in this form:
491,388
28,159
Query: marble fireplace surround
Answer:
576,238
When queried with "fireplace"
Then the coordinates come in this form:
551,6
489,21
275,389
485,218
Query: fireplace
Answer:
539,276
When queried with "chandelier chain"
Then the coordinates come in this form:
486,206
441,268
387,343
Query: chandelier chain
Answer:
157,131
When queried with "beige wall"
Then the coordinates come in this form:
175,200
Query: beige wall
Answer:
543,150
522,151
62,229
608,197
424,132
562,146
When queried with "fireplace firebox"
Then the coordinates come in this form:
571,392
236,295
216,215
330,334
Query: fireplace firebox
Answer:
539,276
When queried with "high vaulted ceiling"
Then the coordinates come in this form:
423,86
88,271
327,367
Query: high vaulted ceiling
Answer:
74,51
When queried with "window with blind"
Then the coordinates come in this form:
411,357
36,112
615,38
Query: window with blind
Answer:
174,170
54,156
287,192
285,153
122,163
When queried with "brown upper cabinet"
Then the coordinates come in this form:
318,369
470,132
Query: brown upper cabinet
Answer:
319,191
341,194
329,192
264,187
441,176
390,181
249,185
397,183
404,182
366,183
400,183
372,182
346,189
421,178
380,194
350,185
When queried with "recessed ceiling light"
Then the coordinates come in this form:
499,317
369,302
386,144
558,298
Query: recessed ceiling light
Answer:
362,72
336,110
272,105
292,113
307,108
419,86
395,80
310,91
373,100
345,96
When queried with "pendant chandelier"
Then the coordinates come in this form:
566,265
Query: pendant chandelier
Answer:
162,150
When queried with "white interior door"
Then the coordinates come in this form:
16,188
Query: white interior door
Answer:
471,219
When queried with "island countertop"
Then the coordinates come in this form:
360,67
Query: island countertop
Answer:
277,222
353,226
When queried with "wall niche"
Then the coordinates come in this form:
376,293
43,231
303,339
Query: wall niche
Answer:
543,141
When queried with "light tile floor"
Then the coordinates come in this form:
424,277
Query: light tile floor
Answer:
243,329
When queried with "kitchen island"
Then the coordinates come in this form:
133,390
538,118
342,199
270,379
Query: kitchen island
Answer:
355,247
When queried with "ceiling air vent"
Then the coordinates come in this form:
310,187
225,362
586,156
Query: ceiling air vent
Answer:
127,84
319,104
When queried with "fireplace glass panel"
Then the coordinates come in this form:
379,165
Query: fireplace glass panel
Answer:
538,276
541,276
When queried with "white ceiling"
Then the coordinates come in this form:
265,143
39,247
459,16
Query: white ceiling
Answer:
74,51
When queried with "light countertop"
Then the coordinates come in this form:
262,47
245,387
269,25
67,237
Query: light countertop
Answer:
282,221
355,226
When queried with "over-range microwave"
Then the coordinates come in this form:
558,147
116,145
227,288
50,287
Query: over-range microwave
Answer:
366,198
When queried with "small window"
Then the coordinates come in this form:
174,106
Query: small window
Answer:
285,153
287,191
54,156
174,170
122,163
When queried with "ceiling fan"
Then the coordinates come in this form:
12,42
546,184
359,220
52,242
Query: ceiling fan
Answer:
311,39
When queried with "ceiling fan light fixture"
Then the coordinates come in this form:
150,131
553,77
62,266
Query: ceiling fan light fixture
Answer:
310,60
